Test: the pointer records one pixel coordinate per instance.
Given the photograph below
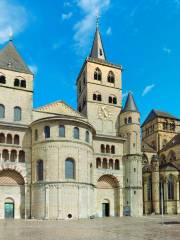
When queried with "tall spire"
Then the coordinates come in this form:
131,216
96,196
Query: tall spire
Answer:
130,105
97,50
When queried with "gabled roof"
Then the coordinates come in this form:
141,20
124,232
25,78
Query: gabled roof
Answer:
173,142
130,105
10,59
156,113
170,166
147,148
97,50
59,107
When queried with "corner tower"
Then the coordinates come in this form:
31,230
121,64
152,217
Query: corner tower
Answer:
132,159
99,89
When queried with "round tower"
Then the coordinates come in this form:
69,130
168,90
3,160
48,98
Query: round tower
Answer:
132,160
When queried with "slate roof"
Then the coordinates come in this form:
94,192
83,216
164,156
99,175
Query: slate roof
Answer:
173,142
97,50
59,107
147,148
10,59
130,105
156,113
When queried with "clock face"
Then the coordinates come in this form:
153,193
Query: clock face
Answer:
104,112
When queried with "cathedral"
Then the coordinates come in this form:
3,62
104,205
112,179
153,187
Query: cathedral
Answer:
61,163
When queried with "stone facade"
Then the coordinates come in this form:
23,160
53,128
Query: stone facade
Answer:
161,163
58,163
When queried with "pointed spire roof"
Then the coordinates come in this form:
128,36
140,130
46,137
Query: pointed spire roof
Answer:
130,105
97,50
10,59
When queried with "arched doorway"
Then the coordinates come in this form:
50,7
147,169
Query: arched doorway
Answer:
108,196
9,208
12,197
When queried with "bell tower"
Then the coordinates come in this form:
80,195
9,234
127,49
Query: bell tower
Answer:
99,94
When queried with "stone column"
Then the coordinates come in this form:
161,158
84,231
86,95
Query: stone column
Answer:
165,200
145,196
177,195
155,188
47,202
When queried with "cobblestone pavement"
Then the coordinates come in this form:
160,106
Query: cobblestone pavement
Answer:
144,228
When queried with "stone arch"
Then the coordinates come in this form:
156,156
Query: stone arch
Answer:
14,198
108,189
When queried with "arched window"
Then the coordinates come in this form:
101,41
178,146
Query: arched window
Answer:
107,149
23,83
47,133
98,163
111,163
16,139
2,111
113,149
2,79
13,156
111,78
16,82
40,170
110,99
125,121
5,155
9,139
170,188
129,120
87,136
21,156
76,133
117,164
97,96
17,114
97,74
149,188
2,138
61,131
102,148
114,100
104,164
36,135
69,169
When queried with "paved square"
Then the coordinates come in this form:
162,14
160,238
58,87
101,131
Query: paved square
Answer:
145,228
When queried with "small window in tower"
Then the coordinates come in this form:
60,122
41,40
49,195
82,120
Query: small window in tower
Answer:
100,52
134,169
2,79
16,82
23,83
134,192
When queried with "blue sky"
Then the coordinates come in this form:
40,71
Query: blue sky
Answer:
54,37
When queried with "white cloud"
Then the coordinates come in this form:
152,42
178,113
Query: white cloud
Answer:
33,68
167,50
109,31
84,28
177,3
147,89
66,16
13,19
67,4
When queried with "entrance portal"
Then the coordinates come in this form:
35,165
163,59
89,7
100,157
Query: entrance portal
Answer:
9,210
105,209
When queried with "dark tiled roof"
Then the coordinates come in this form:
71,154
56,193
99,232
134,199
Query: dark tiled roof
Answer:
156,113
170,164
11,60
173,142
130,105
147,148
97,50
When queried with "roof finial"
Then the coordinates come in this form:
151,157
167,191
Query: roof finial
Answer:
97,18
10,34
